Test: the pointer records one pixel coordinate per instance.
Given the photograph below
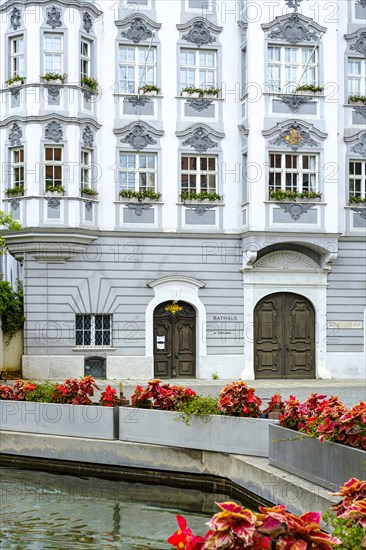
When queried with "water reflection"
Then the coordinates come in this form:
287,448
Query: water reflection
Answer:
53,512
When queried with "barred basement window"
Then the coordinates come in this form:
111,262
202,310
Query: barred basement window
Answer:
93,330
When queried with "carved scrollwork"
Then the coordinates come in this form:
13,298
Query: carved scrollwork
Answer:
14,204
88,205
199,104
138,208
294,4
53,17
199,34
15,91
53,90
362,3
53,202
360,147
200,140
15,17
54,132
294,102
361,111
138,100
294,29
138,31
360,44
294,137
139,138
88,137
361,211
295,210
200,209
15,134
87,21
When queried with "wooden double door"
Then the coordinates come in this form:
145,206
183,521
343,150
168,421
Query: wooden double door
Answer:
284,337
174,340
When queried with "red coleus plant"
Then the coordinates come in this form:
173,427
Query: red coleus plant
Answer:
275,404
18,391
351,492
237,399
109,398
161,396
74,391
237,528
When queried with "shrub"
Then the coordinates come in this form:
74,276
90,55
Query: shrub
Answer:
161,396
11,308
74,391
199,406
18,392
275,404
237,399
42,393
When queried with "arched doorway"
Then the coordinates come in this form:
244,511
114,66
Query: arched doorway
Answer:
174,340
284,337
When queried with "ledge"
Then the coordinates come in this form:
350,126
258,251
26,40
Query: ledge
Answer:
93,349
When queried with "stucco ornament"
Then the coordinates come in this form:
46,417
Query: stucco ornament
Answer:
15,17
53,90
295,138
362,2
199,104
88,137
200,140
294,102
199,209
360,211
294,30
14,204
138,138
53,202
295,210
294,4
360,147
199,35
360,44
87,21
138,100
54,132
138,208
54,17
361,111
15,134
138,31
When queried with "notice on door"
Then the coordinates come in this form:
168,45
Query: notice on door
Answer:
160,342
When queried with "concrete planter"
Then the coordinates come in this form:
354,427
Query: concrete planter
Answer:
55,419
327,464
247,436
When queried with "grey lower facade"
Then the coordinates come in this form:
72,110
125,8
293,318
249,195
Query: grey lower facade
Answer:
223,277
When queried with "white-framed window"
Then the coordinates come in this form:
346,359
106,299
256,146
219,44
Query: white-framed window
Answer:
85,168
17,167
136,67
356,76
286,64
93,330
198,68
137,171
293,172
17,56
198,174
205,7
53,53
85,58
357,178
53,161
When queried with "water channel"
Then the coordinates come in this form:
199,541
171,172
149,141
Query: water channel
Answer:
46,511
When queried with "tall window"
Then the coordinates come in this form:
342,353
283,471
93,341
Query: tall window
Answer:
198,174
286,64
17,56
137,172
197,68
17,167
290,172
136,67
85,168
357,178
93,330
53,53
53,166
356,76
85,58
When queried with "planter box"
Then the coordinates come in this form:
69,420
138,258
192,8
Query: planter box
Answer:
309,93
357,104
327,464
54,194
55,419
188,94
246,436
153,92
16,83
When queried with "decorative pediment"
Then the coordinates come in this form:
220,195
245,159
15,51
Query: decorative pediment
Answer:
53,17
54,132
285,259
67,4
294,134
357,41
15,134
200,137
359,143
293,28
138,28
139,135
199,31
15,17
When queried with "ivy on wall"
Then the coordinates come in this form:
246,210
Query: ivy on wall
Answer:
11,308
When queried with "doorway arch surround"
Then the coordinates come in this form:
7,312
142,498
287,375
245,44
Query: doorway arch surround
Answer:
175,288
285,271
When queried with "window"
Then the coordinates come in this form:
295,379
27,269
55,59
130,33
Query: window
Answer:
288,172
17,56
198,174
136,67
137,172
197,68
17,167
53,53
93,330
356,76
286,68
53,166
85,59
85,168
357,178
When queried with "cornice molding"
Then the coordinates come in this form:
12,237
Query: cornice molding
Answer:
189,24
294,28
123,23
50,118
124,130
359,41
171,279
91,7
189,131
294,134
355,137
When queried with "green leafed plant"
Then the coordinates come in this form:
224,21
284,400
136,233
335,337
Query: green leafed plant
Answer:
14,191
14,79
140,195
309,88
50,77
192,196
357,200
11,308
7,222
50,188
357,98
281,195
90,82
198,407
149,88
42,392
89,191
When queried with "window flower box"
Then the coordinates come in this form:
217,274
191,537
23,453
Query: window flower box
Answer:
294,196
91,421
309,90
190,94
328,464
220,433
54,78
149,89
357,100
127,195
15,81
13,192
90,84
51,191
197,198
89,193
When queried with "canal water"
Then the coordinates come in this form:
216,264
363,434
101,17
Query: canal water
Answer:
47,511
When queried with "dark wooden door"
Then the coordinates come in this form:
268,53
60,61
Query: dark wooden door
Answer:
174,340
284,337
